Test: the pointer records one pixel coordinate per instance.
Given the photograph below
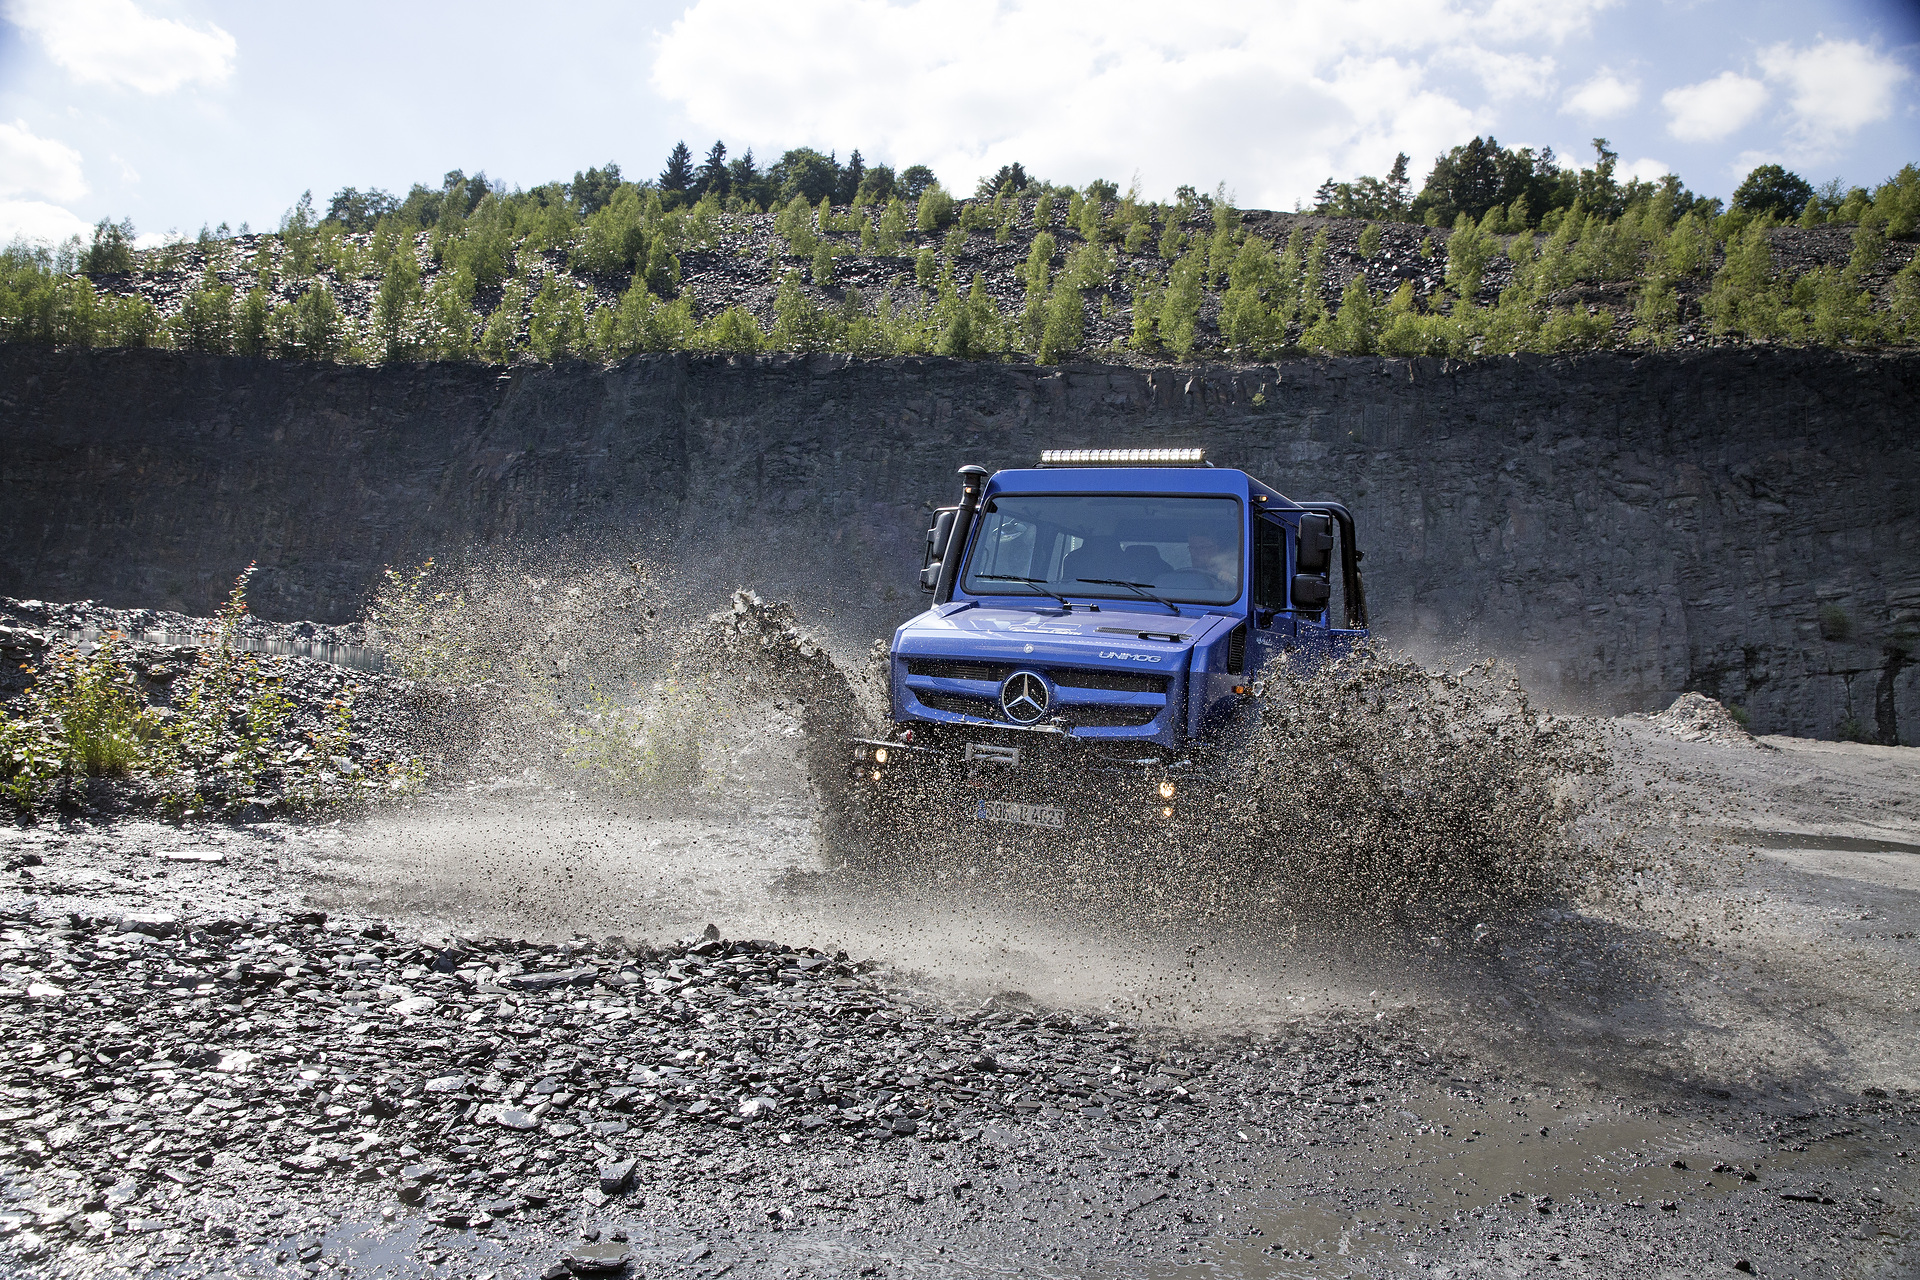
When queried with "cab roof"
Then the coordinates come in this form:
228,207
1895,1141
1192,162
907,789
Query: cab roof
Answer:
1226,481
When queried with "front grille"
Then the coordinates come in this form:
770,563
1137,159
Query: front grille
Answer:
958,704
954,669
1116,681
1095,716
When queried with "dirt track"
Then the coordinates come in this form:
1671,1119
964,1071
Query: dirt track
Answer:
1713,1065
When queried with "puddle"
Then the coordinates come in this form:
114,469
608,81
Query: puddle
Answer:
359,657
1439,1167
1798,840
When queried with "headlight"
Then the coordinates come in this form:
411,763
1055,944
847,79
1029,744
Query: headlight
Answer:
880,755
1166,791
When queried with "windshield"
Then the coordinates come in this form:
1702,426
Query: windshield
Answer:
1180,549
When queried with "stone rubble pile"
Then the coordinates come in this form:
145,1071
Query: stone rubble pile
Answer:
1694,717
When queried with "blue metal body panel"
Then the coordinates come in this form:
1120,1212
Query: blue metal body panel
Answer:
1126,672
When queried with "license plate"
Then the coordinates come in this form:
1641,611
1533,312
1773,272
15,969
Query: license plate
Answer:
1026,815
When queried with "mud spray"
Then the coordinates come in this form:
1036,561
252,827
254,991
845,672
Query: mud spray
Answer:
618,756
622,751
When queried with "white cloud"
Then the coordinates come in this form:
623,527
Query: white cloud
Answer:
1834,87
1712,109
114,42
1604,96
36,166
1645,169
1271,98
37,220
1504,75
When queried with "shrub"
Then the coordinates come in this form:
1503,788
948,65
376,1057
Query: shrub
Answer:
1065,323
893,227
1180,306
1370,240
112,250
297,236
83,716
311,327
205,320
734,329
501,336
1249,324
557,323
935,209
1469,250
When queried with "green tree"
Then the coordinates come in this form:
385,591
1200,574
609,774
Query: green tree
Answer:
355,210
713,178
396,309
1147,298
1038,271
925,268
805,174
1743,298
311,327
1065,324
298,235
1773,190
594,190
1370,240
450,323
915,180
935,209
1869,250
732,330
1469,250
251,335
798,323
1180,306
1248,322
1355,328
893,227
204,321
557,324
500,339
677,177
112,250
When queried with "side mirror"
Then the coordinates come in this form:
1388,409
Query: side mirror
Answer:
936,551
1314,554
1311,593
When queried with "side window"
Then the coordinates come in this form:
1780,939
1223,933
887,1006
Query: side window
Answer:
1269,564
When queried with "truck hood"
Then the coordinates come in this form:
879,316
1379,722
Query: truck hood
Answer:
1117,638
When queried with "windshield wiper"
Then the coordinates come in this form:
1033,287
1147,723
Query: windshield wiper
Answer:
1038,584
1134,587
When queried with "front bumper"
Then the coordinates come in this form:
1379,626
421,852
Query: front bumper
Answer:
991,774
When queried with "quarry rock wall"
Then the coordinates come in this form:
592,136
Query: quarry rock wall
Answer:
1625,528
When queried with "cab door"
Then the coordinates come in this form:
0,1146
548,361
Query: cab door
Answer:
1271,624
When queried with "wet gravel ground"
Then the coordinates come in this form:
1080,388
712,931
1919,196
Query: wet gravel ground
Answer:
226,1059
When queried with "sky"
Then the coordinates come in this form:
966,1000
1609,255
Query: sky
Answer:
179,113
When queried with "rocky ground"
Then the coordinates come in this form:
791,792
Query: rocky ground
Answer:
747,263
407,1044
513,1028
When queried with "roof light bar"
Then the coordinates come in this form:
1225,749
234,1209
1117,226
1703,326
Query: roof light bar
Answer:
1123,457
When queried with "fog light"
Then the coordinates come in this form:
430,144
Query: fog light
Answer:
1166,791
859,753
1166,811
880,755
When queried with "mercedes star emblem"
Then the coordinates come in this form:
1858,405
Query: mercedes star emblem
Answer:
1024,697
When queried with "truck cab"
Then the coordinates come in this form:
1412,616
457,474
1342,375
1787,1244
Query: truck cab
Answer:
1097,622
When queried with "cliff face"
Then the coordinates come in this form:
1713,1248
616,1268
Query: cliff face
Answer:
1626,528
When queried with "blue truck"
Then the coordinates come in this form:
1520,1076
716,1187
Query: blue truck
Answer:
1097,625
